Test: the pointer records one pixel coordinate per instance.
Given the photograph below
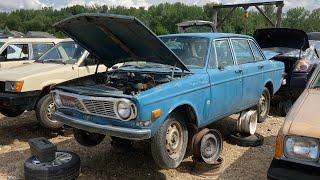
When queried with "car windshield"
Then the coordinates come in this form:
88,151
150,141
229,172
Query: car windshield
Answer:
63,53
1,44
191,50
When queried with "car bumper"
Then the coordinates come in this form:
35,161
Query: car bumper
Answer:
23,100
280,169
122,132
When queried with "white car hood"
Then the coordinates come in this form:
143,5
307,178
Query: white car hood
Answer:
24,71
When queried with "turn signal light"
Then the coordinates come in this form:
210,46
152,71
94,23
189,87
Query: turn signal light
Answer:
19,85
156,113
279,147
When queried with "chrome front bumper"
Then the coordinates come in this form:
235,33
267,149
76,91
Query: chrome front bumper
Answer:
122,132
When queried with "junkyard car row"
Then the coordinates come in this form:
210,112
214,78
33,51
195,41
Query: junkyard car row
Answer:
166,89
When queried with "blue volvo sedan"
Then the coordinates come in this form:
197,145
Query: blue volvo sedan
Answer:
162,85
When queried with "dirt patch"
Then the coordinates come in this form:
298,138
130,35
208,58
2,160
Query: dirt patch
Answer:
104,162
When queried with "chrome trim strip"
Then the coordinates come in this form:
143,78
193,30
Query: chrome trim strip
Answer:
128,133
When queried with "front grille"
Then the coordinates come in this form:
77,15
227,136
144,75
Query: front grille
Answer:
103,108
98,106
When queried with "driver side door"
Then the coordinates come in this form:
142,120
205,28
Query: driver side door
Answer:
225,80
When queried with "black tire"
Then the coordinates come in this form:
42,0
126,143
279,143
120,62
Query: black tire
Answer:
117,142
159,143
263,112
12,112
87,138
43,114
246,140
67,171
285,107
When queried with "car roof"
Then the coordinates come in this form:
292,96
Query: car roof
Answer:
211,35
26,40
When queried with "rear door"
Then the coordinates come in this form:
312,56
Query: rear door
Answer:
15,54
225,80
252,74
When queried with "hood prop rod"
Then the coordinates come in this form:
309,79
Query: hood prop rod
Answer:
174,68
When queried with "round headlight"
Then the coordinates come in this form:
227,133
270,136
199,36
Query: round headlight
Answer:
124,110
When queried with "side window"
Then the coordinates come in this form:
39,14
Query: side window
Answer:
40,48
224,55
15,52
52,54
256,52
242,51
213,61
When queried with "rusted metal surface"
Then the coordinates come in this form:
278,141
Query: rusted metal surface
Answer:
200,168
279,5
187,24
207,145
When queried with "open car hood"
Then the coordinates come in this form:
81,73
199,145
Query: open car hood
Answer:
282,37
116,38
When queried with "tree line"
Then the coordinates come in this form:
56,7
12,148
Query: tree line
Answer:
162,18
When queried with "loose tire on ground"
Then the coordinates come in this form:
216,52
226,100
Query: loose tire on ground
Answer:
264,105
169,144
246,140
12,112
44,110
86,138
68,170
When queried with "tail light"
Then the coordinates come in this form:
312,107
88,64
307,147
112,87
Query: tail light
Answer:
302,65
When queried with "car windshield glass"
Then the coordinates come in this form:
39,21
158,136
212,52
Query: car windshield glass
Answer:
64,52
1,44
191,50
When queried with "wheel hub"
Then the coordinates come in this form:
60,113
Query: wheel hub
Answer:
263,105
173,140
61,158
51,109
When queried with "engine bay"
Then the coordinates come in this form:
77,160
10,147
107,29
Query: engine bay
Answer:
132,83
122,82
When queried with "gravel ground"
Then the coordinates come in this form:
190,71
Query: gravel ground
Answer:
105,162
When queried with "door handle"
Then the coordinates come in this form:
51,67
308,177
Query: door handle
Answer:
261,66
238,71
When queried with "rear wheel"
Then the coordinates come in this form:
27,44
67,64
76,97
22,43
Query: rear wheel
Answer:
264,105
169,144
12,112
44,110
86,138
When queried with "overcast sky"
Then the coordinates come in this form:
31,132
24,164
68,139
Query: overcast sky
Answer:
9,5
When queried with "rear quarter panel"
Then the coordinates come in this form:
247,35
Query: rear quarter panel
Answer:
273,73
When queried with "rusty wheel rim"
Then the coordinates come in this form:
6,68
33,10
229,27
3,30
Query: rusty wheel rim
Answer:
174,140
263,105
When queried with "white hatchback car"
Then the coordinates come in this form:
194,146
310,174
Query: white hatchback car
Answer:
26,87
16,51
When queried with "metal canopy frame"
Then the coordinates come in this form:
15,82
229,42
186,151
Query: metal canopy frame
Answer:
245,6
